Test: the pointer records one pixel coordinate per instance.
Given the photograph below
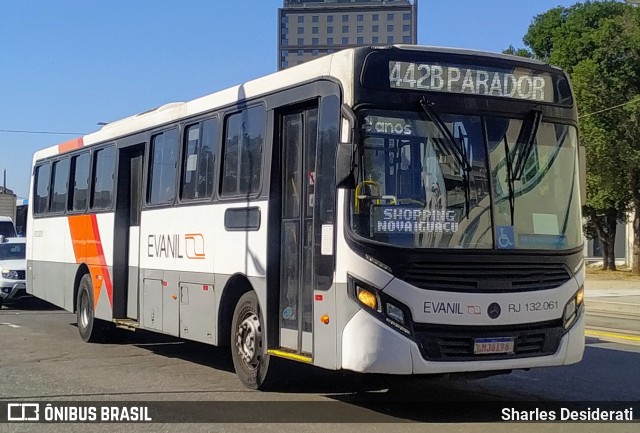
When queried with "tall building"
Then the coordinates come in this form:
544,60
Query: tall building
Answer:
313,28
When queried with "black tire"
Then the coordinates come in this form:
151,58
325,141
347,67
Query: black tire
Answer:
249,343
92,330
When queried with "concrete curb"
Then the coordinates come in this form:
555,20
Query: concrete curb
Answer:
610,284
620,298
623,308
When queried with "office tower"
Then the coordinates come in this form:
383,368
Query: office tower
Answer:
312,28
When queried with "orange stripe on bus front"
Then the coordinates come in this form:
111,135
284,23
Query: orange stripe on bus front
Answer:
87,248
70,145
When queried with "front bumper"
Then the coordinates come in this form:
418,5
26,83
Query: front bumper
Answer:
12,292
370,346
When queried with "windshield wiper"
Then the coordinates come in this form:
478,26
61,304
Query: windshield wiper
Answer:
510,180
523,146
452,148
467,170
526,137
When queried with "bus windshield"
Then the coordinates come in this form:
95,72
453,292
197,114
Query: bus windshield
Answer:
413,192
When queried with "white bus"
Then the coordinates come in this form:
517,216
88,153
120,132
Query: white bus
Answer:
402,210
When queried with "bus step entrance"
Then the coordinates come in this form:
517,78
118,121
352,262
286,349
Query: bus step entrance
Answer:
290,354
129,324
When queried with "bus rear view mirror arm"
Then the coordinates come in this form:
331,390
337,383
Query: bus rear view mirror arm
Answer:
344,166
345,154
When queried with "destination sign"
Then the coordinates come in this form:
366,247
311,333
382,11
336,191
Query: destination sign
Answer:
411,220
518,83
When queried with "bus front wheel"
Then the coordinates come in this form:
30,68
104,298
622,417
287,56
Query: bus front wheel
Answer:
249,342
91,329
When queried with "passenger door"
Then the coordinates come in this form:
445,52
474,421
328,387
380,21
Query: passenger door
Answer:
298,166
127,233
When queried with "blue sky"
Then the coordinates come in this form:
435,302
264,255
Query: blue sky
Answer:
67,64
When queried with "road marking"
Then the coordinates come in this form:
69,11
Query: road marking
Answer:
617,336
10,325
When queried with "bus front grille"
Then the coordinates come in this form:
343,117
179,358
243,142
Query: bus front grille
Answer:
455,343
484,277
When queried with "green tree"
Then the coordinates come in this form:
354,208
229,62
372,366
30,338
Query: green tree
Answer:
520,52
564,36
598,43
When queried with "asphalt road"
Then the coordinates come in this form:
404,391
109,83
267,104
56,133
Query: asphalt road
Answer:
43,359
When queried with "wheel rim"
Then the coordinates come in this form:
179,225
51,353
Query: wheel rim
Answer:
84,310
249,340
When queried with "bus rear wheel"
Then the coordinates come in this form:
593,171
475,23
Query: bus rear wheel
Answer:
249,343
91,329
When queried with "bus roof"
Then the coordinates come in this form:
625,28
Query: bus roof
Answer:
468,52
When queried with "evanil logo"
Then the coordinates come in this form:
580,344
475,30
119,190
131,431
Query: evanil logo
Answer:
388,126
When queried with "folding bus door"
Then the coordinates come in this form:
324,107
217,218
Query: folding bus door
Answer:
127,233
298,164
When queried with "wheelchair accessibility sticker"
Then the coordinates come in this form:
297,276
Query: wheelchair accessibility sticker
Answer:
505,238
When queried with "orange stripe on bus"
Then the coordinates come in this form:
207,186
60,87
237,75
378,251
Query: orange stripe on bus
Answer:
87,248
70,145
102,259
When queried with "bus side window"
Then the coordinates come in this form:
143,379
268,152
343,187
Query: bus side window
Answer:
206,162
190,164
80,185
41,193
59,186
198,167
103,177
242,161
163,166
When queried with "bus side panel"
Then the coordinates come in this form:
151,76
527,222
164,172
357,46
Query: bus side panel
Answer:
241,251
181,289
51,261
91,244
177,292
103,265
197,307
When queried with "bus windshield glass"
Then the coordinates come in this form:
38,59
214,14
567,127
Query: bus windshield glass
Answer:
413,192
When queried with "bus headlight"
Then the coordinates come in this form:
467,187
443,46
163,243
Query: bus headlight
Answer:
580,296
395,313
367,298
381,305
572,309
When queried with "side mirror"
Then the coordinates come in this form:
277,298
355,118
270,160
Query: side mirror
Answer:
344,166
